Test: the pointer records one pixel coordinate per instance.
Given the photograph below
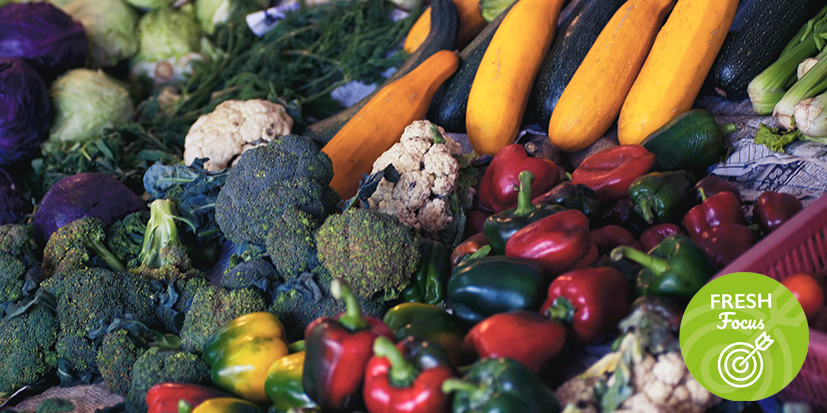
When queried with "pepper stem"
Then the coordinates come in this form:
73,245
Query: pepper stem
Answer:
645,209
655,264
352,318
296,347
451,385
561,309
524,206
402,373
703,194
726,129
184,407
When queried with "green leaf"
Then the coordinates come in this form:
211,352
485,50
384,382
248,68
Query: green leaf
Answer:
55,405
775,140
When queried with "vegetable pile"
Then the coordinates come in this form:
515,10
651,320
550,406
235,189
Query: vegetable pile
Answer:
188,216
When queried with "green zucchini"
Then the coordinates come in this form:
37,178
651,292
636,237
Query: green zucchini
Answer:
691,141
573,41
448,105
760,31
442,36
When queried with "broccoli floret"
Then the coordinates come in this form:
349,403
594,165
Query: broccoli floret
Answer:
289,172
291,243
72,246
373,252
91,299
306,298
27,347
126,236
11,277
257,273
213,307
116,356
174,299
18,240
156,366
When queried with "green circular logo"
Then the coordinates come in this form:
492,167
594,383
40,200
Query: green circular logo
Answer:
744,336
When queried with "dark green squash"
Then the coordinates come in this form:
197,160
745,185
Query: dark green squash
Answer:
760,31
443,36
573,41
451,99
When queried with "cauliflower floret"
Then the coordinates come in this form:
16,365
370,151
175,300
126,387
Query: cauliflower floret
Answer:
234,127
428,173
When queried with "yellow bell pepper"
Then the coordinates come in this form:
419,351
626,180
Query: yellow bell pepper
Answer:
227,405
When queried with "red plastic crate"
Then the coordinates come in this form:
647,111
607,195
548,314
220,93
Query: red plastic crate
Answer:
798,246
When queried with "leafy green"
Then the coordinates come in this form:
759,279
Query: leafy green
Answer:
55,405
773,139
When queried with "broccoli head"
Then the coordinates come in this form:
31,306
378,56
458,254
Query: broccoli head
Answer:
256,273
291,243
289,172
27,345
11,277
126,236
18,240
73,246
213,307
373,252
116,356
156,366
307,297
80,353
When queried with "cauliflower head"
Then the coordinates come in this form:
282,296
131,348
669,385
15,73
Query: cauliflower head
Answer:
425,159
234,127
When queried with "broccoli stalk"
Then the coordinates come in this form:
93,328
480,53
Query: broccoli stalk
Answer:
96,245
161,233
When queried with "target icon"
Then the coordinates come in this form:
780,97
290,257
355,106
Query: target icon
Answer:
741,364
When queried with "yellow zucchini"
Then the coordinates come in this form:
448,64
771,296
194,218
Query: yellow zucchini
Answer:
380,123
593,98
506,73
675,70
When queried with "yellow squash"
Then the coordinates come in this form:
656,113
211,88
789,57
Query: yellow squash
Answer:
593,98
675,70
380,123
506,74
470,23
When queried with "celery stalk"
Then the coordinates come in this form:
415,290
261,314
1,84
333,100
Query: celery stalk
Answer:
813,83
770,85
810,116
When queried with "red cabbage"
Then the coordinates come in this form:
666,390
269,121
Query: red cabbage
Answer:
45,36
12,205
25,111
88,194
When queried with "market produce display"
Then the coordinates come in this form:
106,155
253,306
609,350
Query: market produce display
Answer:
192,218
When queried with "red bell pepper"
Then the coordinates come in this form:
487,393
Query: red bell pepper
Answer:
165,397
520,335
475,222
337,352
718,209
395,385
610,171
725,242
467,248
558,243
773,209
590,300
611,236
711,185
652,236
500,183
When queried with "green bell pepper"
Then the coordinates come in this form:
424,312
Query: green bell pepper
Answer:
430,323
570,196
692,141
428,282
676,269
501,386
284,382
500,227
662,196
482,287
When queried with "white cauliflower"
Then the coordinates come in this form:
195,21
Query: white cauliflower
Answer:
428,175
234,127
